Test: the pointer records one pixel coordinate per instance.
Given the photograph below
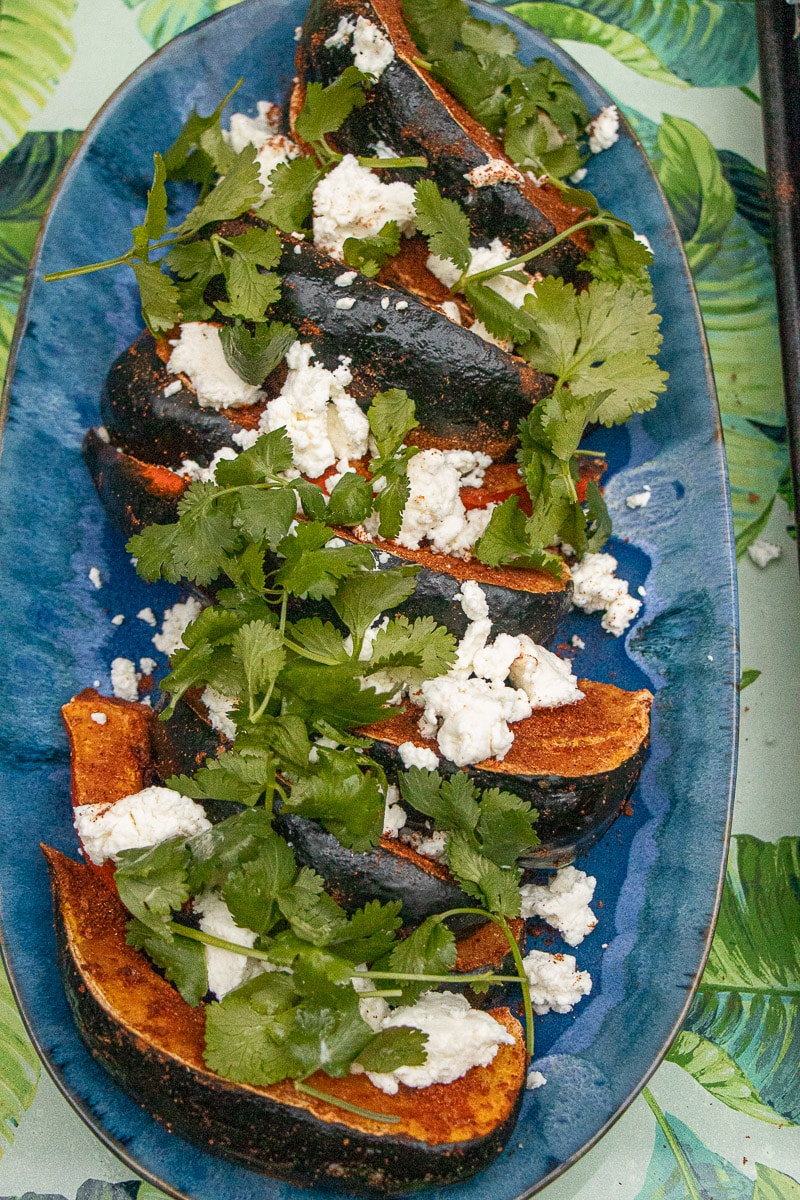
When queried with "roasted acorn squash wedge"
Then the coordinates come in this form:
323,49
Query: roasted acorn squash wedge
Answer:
409,111
151,1042
136,493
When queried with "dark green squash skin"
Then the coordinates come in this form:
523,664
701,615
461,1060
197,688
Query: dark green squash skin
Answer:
121,486
404,111
468,392
574,813
257,1132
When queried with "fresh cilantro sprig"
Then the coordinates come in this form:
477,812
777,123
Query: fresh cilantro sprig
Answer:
487,833
391,418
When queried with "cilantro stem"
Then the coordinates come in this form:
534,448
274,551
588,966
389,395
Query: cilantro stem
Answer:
422,62
501,268
387,163
458,977
345,1104
52,276
373,995
317,658
208,939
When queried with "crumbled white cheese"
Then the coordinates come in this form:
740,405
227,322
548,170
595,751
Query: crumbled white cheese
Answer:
556,983
124,679
226,970
175,621
597,589
119,619
433,846
298,32
451,311
244,130
103,434
245,438
474,714
148,616
353,202
147,665
94,578
374,1010
579,643
372,51
346,302
417,756
99,718
761,552
145,818
641,591
434,510
639,499
483,257
172,389
382,149
473,600
321,418
198,354
534,1079
495,170
345,279
603,131
218,708
563,903
578,176
385,302
189,469
394,815
401,305
341,37
546,679
459,1038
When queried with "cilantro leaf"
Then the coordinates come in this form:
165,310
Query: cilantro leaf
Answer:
499,315
391,417
423,649
292,185
194,260
506,827
185,159
346,800
486,37
330,693
443,222
452,803
314,916
429,950
597,517
266,516
251,291
247,1033
153,882
267,457
235,193
254,356
182,961
505,540
618,257
435,28
218,851
310,569
240,778
477,81
159,297
259,647
368,254
155,219
495,887
252,890
391,501
361,598
350,502
320,638
400,1046
154,551
369,933
327,108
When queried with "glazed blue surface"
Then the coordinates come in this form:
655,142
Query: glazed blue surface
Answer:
659,870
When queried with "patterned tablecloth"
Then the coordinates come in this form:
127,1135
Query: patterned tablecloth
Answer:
719,1119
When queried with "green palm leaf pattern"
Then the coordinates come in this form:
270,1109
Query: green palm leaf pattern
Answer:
19,1066
10,296
748,1001
560,21
35,47
732,272
28,175
709,43
749,185
682,1167
715,1070
161,20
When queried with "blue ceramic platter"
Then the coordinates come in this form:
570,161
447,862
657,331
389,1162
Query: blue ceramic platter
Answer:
659,870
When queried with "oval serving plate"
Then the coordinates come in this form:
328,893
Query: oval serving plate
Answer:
660,868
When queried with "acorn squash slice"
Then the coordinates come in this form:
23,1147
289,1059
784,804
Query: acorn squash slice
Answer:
151,1042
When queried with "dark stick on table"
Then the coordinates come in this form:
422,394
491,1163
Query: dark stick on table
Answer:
778,23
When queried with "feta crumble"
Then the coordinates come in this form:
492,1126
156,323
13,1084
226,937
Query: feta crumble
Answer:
148,616
434,511
546,679
556,983
762,552
172,389
94,578
226,970
494,170
534,1079
323,420
459,1038
639,499
345,279
603,131
394,815
483,257
147,665
451,311
244,130
99,718
597,589
346,302
119,619
351,201
198,354
563,903
175,621
341,35
578,642
124,679
218,707
417,756
142,819
578,176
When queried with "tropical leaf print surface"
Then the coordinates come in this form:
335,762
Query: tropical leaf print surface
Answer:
560,21
161,20
36,46
28,176
19,1066
748,1001
683,1168
715,1070
710,43
98,1189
